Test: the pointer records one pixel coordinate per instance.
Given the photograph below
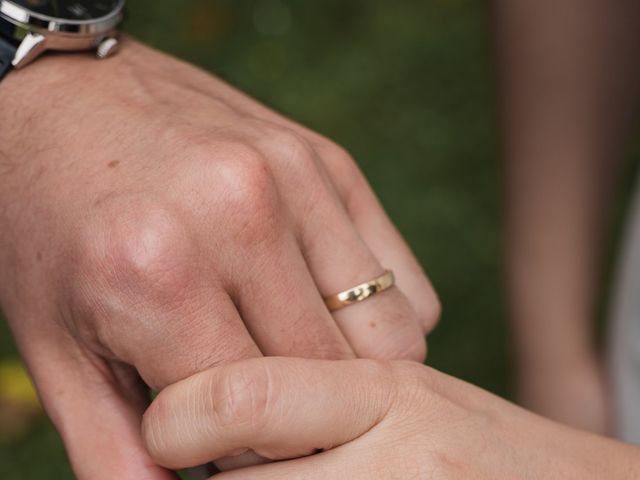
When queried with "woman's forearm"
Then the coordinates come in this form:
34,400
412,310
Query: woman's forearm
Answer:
568,74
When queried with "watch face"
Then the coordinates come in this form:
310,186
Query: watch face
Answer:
71,9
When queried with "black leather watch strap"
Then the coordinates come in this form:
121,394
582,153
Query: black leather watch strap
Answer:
7,53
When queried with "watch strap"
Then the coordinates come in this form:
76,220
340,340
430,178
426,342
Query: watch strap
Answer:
7,54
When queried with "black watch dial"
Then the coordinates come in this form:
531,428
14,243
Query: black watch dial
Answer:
70,9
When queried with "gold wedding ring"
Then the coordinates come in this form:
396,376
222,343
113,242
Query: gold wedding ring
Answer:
360,292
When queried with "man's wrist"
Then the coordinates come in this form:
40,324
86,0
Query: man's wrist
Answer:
44,87
56,69
26,92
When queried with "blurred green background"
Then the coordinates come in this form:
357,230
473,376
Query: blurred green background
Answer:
406,87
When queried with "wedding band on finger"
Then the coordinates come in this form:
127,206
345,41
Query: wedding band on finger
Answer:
360,292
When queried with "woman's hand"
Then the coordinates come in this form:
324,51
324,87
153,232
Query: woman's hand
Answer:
155,222
370,420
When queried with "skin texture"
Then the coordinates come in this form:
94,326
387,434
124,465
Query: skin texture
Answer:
371,420
154,222
569,75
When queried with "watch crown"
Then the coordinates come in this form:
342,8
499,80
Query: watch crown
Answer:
107,47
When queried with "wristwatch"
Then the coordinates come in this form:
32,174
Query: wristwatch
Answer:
29,27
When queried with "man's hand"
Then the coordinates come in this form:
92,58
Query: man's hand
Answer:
370,420
156,222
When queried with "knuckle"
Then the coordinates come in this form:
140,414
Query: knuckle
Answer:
379,371
293,152
248,182
243,170
379,374
243,397
414,382
297,149
335,153
340,162
350,182
240,173
144,250
231,181
247,194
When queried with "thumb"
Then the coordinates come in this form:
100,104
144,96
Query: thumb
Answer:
97,409
278,407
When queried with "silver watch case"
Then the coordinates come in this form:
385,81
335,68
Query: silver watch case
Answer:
34,33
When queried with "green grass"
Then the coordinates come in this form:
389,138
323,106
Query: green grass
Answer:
406,87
